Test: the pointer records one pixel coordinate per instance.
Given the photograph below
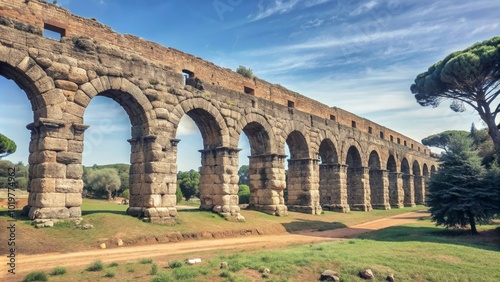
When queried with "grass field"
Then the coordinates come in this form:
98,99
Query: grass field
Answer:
111,223
420,252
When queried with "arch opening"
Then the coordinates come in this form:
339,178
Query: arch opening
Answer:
329,169
377,186
355,180
395,183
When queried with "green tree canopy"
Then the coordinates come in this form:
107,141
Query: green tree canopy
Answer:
246,72
457,194
243,173
471,77
442,140
188,182
103,181
7,146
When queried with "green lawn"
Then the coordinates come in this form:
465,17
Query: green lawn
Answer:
419,252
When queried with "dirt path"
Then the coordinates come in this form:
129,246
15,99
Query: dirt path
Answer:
78,260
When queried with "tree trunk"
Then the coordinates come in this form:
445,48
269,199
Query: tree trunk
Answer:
472,222
109,195
493,129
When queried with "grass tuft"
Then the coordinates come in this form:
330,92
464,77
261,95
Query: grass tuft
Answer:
113,264
97,265
58,271
175,264
36,276
154,269
146,261
110,273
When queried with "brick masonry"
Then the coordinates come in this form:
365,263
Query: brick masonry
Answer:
338,161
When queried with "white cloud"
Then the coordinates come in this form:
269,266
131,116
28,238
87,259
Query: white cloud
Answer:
363,8
277,7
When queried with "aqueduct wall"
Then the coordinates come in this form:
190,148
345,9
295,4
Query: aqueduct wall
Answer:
338,161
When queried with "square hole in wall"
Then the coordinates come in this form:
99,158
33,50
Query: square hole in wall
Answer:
53,32
291,104
353,124
248,90
381,134
370,129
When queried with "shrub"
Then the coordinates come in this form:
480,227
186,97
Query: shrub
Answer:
146,261
36,276
113,264
175,264
154,269
58,271
96,266
246,72
110,273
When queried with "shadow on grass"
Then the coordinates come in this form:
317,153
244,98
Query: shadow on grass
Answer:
311,225
87,212
487,240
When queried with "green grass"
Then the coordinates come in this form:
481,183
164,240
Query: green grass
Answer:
36,276
110,273
145,261
418,252
58,271
95,266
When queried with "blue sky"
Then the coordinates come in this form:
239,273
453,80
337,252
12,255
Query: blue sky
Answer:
361,56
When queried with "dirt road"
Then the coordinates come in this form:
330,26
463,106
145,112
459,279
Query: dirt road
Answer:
78,260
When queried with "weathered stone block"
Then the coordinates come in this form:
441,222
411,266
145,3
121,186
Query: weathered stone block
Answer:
50,200
52,213
50,170
73,199
69,185
74,171
78,75
69,158
53,144
43,185
75,212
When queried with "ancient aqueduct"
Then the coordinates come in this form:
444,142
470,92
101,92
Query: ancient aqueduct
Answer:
338,161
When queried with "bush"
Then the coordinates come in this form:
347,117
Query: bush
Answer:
110,273
178,194
96,266
58,271
244,71
36,276
244,194
113,264
175,264
146,261
154,269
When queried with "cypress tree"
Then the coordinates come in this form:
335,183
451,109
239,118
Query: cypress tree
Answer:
457,194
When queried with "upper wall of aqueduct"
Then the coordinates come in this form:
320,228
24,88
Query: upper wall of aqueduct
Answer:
337,160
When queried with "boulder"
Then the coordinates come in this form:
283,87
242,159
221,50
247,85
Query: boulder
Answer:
224,264
329,275
366,274
390,278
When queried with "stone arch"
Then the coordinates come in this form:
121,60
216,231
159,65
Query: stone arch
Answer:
33,80
352,143
356,174
144,161
395,183
266,169
425,170
329,169
408,188
418,183
296,133
433,169
297,145
328,152
207,117
259,133
126,94
302,179
378,182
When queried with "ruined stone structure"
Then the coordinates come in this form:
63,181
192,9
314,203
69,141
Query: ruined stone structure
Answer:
338,161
